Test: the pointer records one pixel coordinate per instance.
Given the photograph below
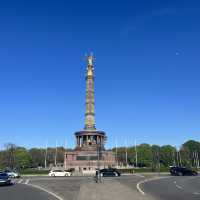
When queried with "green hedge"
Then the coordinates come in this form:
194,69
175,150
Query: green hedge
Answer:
129,170
141,170
162,169
37,171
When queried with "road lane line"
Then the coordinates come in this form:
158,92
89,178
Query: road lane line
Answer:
27,181
148,180
138,187
45,190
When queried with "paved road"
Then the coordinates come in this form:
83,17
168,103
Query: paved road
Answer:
85,188
117,188
66,187
173,188
23,192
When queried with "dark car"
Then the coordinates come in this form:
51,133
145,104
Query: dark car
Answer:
5,179
182,171
109,172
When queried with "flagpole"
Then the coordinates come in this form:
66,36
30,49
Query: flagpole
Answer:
192,159
197,160
65,149
136,158
126,153
180,158
56,155
177,158
116,157
45,161
174,156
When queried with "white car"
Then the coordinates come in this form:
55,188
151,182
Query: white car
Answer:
58,172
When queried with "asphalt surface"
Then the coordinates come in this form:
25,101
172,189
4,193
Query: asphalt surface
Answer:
65,187
23,192
173,188
111,188
74,188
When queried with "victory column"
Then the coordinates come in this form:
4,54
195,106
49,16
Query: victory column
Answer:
85,157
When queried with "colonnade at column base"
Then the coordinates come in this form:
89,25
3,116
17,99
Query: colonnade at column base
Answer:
90,140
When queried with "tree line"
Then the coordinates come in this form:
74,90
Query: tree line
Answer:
143,155
155,156
16,157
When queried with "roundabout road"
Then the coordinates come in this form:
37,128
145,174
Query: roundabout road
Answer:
23,192
173,188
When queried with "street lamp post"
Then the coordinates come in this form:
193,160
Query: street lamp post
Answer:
98,175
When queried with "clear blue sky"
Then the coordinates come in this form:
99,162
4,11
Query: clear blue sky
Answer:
147,68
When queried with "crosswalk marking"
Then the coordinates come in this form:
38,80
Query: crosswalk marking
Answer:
20,180
196,193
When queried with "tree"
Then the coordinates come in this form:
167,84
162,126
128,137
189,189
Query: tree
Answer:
2,160
121,157
144,155
37,157
23,158
60,154
185,156
192,145
191,150
9,159
155,156
167,155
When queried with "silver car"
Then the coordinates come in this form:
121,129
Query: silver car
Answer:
12,174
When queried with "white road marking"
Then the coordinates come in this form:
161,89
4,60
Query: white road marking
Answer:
40,188
148,180
20,180
179,187
45,190
138,187
139,175
196,193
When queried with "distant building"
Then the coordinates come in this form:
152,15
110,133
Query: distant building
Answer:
90,152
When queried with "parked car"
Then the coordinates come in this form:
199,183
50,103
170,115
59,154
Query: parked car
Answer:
58,172
5,179
109,172
182,171
12,174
